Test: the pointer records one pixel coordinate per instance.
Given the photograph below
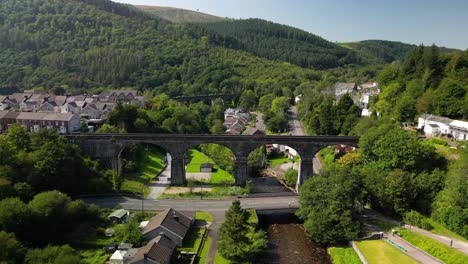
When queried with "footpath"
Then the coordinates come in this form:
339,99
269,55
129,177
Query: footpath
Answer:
457,244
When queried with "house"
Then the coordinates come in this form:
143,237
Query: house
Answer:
157,251
252,131
123,256
441,121
119,216
433,125
31,121
206,167
344,88
172,223
7,119
366,112
70,107
90,111
48,106
432,129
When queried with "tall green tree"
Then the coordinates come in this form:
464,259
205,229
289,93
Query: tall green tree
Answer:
239,242
329,207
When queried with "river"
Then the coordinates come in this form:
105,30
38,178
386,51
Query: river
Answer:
288,242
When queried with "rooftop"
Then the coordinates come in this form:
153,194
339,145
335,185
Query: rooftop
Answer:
119,213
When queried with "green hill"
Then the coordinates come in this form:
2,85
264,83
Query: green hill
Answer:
384,51
179,15
279,42
96,44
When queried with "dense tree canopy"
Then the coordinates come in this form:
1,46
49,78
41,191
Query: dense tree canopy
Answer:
329,206
238,241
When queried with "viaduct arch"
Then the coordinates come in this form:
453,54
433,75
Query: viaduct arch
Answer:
108,147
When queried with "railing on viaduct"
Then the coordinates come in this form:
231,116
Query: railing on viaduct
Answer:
108,147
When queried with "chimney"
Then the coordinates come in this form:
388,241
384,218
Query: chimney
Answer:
174,215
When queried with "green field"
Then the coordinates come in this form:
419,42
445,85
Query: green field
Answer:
435,248
203,216
219,176
192,240
278,160
343,255
380,252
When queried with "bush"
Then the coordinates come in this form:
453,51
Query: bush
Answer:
290,177
417,219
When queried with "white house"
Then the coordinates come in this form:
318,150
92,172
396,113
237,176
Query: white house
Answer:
433,125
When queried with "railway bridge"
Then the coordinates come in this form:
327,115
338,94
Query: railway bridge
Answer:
109,147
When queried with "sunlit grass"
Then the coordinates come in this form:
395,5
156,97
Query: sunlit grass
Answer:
343,255
380,252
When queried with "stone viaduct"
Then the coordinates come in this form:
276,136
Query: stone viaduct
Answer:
108,148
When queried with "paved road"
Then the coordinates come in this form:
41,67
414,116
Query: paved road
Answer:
260,124
297,129
192,205
160,183
295,126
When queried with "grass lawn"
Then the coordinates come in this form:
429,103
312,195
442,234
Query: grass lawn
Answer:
440,229
201,258
90,248
278,160
203,216
343,255
192,240
435,248
152,164
220,260
380,252
196,158
217,192
135,187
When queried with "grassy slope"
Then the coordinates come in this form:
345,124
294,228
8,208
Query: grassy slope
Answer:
380,252
435,248
150,166
343,255
179,15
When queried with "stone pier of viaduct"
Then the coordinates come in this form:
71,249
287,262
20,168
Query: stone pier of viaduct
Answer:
108,147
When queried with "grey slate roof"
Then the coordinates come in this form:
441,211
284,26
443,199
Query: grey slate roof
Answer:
172,220
158,250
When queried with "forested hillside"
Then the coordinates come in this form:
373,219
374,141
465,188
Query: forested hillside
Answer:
279,42
384,51
96,44
381,50
426,82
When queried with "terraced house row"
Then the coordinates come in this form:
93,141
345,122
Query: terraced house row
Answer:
35,110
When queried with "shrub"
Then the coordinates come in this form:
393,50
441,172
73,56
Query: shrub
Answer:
417,219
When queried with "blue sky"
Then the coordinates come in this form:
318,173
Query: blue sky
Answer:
444,23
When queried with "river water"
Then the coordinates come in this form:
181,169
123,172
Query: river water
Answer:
288,242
